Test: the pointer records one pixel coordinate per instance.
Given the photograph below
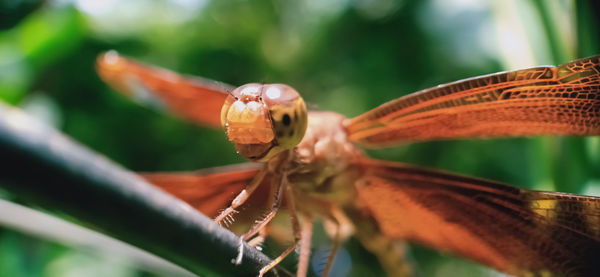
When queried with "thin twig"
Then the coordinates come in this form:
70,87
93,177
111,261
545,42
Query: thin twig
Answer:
48,169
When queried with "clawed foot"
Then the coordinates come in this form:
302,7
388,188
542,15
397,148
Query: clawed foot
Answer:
264,270
240,255
226,217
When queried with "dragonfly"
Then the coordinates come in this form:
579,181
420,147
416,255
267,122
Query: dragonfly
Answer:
310,165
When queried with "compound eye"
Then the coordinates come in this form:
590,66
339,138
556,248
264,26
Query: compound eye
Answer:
242,95
225,109
288,114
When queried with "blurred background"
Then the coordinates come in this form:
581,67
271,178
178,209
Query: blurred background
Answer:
342,55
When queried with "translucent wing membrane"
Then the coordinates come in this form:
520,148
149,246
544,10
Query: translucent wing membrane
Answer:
211,190
197,99
563,100
511,229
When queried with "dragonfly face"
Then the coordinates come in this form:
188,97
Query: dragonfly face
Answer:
264,119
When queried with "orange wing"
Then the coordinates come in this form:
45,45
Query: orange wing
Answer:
510,229
194,98
563,100
211,190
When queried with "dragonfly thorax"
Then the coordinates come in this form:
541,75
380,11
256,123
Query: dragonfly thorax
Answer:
322,162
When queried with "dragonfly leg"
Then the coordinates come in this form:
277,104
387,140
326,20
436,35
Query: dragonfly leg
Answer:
296,228
334,248
306,234
263,222
226,214
260,239
274,208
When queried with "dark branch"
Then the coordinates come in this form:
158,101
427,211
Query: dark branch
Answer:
48,169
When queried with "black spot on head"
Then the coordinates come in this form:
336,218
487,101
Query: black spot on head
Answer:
279,134
287,120
291,134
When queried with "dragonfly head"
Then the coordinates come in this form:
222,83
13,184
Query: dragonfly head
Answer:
264,120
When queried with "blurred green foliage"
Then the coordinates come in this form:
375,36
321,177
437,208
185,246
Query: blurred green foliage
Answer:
345,56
